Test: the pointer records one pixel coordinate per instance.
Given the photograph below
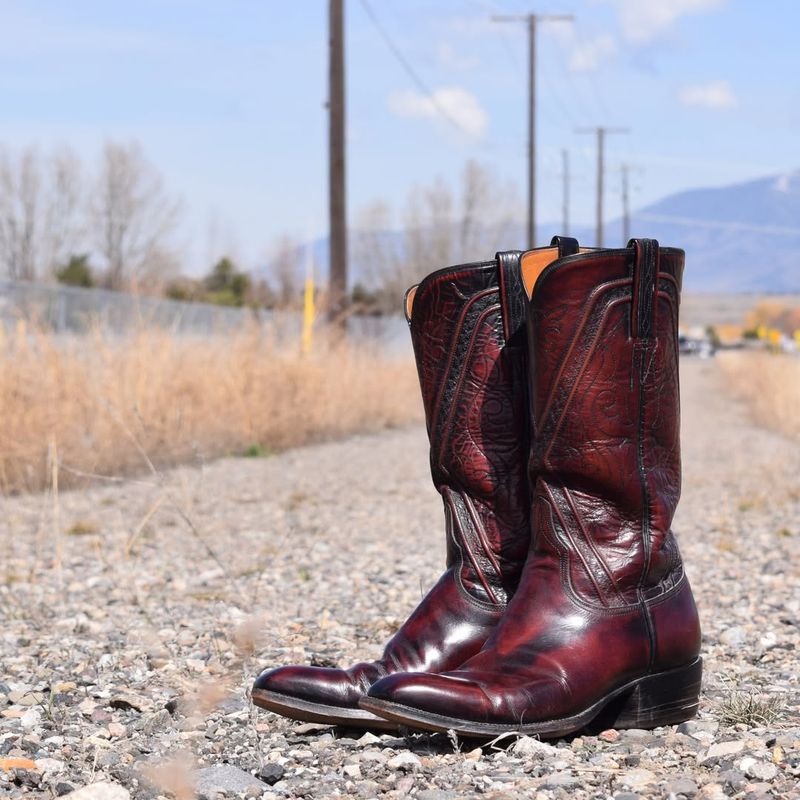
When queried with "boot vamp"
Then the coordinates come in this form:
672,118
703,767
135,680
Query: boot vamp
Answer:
548,658
446,629
322,685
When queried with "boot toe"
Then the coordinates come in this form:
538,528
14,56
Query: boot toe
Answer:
322,685
434,694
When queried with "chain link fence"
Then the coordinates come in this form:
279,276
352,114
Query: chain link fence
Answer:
72,310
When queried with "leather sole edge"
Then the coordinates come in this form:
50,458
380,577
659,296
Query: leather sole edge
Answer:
305,711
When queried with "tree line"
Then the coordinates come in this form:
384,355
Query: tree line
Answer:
114,226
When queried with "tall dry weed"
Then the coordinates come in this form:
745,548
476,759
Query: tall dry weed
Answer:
103,404
770,385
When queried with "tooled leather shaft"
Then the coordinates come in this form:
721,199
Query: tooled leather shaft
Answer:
474,393
606,450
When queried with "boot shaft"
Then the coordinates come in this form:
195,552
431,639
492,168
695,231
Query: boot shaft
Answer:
468,331
605,454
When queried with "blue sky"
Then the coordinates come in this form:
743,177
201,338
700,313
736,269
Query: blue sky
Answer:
227,98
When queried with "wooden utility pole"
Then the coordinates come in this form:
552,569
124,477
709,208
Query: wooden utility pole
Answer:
337,195
601,133
626,206
625,171
531,20
565,192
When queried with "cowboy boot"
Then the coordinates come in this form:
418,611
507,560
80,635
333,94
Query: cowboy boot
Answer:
603,628
468,331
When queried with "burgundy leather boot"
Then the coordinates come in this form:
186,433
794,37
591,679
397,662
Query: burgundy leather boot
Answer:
468,330
603,628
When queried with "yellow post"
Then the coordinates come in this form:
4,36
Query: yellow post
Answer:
797,337
308,314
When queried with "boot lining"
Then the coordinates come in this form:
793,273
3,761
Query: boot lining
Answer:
534,262
410,301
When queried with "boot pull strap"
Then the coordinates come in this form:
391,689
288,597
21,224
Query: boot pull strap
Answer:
645,286
513,298
567,246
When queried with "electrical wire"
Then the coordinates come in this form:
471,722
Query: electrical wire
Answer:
412,73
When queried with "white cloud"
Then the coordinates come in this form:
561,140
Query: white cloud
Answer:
448,104
714,94
643,21
588,55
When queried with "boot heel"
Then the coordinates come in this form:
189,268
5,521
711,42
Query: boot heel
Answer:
665,698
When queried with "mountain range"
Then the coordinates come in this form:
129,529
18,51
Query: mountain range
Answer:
741,238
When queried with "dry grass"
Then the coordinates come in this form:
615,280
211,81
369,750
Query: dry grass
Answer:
770,384
95,406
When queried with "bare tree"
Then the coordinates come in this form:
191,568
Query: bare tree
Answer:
20,206
286,271
379,252
439,229
133,217
64,225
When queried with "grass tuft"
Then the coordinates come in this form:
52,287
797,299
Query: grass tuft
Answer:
751,709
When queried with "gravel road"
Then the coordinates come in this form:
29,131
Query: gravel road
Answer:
136,613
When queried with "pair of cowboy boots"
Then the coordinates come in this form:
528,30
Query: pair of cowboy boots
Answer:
550,385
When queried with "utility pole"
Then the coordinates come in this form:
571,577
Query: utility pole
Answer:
626,206
532,20
601,133
565,192
337,203
625,172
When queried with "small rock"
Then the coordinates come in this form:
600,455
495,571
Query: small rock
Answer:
437,794
562,780
271,773
51,765
527,747
761,770
405,761
636,778
62,788
157,721
712,791
352,771
226,779
128,702
733,637
367,739
719,750
474,755
733,777
610,735
103,790
683,785
117,730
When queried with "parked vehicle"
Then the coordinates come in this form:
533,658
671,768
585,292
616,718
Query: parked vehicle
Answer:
693,346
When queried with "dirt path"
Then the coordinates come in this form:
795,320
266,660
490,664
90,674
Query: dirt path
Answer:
135,615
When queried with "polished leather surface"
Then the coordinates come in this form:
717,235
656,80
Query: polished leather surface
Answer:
603,599
467,328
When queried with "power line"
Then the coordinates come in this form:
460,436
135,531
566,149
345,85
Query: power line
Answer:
412,73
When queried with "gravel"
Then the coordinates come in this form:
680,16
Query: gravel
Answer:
136,613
